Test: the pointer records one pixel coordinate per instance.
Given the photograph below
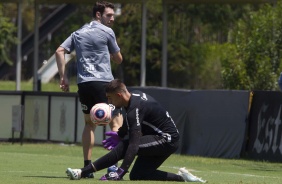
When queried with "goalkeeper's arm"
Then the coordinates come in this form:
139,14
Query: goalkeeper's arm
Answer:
132,150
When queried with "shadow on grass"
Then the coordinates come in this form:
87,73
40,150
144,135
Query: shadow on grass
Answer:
44,177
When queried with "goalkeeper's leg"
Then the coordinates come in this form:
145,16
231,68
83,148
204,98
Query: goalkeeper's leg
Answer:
145,168
153,151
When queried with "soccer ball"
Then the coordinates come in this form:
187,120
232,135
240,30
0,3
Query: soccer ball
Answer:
101,114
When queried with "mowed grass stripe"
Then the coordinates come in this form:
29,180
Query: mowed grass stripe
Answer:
46,163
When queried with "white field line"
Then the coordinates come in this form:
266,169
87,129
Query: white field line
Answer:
227,173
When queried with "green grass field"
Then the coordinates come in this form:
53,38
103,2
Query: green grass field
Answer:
28,86
46,163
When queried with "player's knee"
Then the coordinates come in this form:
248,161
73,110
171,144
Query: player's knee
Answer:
133,176
137,175
88,121
89,124
116,122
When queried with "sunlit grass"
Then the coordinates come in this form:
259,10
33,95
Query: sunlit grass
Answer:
28,86
46,163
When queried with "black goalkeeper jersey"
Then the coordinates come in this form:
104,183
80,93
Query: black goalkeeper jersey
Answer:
145,116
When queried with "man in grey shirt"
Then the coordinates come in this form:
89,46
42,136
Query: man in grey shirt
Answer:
95,45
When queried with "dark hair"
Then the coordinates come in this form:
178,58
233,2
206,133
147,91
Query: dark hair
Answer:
115,85
100,7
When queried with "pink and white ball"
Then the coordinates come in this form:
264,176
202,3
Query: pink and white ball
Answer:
101,114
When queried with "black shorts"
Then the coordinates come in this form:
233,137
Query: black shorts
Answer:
91,93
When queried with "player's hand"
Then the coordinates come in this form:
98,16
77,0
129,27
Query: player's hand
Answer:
64,84
112,141
113,175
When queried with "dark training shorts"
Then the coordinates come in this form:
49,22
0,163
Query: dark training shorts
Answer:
91,93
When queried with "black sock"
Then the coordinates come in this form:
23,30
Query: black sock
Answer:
87,162
87,170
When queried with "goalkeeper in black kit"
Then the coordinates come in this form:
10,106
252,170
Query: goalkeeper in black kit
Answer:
148,133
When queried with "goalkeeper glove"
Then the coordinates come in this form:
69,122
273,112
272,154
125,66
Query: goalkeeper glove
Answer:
112,141
113,175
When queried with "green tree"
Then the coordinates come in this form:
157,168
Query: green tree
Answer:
128,32
256,62
197,34
7,37
196,37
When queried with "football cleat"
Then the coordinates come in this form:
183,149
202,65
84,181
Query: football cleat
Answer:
114,175
188,177
74,174
113,168
111,176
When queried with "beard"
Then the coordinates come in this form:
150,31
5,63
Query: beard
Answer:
108,24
